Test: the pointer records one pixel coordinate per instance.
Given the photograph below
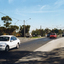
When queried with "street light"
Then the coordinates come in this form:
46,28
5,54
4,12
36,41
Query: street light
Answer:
24,25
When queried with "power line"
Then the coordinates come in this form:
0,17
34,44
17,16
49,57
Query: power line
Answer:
2,13
11,17
14,18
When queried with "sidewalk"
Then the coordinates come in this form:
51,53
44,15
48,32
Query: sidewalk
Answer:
57,43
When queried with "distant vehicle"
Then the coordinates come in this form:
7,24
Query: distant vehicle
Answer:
48,35
63,35
28,35
53,35
8,42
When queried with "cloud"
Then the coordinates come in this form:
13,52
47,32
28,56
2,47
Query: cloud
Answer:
43,7
42,11
24,11
59,3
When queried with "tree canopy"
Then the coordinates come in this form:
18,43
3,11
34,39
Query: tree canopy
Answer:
27,27
6,20
7,28
12,29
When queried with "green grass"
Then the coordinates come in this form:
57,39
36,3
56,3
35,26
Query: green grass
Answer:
36,37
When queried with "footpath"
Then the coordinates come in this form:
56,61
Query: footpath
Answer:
54,44
50,53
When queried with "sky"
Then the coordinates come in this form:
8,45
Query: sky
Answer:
36,13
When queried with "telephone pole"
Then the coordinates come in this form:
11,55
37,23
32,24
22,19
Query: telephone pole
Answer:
24,27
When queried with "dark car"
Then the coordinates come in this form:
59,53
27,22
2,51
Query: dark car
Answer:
48,35
63,35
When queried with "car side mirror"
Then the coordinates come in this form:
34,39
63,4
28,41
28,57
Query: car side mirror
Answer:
11,40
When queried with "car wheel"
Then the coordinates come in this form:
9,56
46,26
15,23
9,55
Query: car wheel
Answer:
7,48
50,37
17,46
55,37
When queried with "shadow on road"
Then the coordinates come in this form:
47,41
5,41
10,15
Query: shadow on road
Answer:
11,57
28,57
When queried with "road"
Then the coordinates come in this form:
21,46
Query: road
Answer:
34,44
25,48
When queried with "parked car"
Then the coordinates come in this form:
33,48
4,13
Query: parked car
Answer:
8,42
48,35
63,35
53,35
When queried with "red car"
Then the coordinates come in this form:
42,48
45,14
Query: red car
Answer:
53,35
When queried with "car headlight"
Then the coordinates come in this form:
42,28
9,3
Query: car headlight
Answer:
2,45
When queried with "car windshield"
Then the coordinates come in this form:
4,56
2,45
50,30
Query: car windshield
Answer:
4,38
52,34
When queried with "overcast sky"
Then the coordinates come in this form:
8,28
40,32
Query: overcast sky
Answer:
44,13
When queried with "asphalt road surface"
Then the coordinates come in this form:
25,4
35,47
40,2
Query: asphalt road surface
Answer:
34,44
25,49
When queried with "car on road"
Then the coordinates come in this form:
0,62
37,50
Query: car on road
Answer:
53,35
8,42
48,35
63,35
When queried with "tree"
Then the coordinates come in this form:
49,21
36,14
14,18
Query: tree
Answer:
55,30
60,31
12,29
47,30
37,32
27,27
8,29
2,30
6,20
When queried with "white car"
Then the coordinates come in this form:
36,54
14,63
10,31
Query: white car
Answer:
8,42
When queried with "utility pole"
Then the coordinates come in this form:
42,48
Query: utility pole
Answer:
24,27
